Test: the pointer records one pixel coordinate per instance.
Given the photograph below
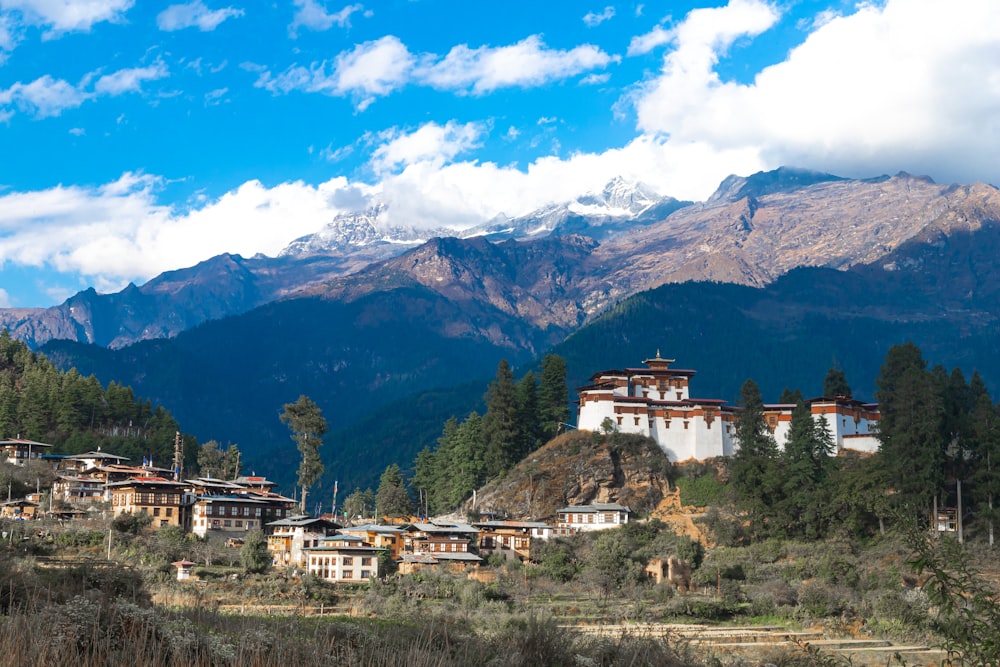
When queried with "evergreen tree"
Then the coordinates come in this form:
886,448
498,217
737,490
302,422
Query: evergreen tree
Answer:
210,460
911,449
986,475
529,431
790,397
391,498
305,420
553,397
499,429
835,383
804,465
359,504
753,470
254,556
231,462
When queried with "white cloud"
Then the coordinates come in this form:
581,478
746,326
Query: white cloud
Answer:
216,97
593,19
643,44
130,80
525,64
194,15
47,97
901,85
312,14
44,97
370,70
376,69
5,299
118,233
61,16
431,143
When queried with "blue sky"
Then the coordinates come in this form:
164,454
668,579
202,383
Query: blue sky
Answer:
141,137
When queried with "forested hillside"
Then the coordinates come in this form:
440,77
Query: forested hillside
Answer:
76,413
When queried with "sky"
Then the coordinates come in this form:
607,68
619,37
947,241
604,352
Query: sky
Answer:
140,137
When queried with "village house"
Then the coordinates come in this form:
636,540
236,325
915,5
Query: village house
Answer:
655,401
232,515
514,536
89,460
383,537
74,488
596,516
166,501
289,537
19,510
18,452
343,559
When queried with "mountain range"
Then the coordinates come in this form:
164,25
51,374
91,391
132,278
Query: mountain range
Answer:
777,276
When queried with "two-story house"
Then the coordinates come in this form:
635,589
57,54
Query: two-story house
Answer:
343,559
596,516
166,501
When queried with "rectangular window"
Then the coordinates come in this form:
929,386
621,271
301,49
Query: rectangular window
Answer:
257,512
246,511
156,511
227,523
170,511
208,510
365,574
239,523
348,574
366,561
348,561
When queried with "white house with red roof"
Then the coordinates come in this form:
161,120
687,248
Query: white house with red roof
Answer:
655,401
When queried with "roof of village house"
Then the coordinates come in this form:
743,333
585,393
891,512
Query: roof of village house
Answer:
303,521
233,498
254,480
442,527
14,442
147,481
596,507
98,455
457,555
375,528
493,525
19,503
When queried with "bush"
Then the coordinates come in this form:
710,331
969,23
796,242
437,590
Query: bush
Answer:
132,524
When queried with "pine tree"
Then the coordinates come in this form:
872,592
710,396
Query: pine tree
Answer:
835,383
804,466
499,427
911,449
305,420
986,475
753,470
553,397
210,459
529,430
391,497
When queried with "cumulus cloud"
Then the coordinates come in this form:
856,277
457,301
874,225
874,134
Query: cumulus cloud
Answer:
525,64
643,44
593,19
61,16
900,84
194,15
44,97
431,143
47,96
313,15
117,232
367,71
377,68
129,80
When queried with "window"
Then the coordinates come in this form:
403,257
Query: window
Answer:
365,574
227,523
239,523
208,510
170,511
256,511
348,574
348,560
156,511
249,525
366,561
246,511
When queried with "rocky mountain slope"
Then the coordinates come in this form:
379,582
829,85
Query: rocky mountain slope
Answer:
577,469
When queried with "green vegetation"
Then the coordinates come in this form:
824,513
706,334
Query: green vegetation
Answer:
76,414
306,422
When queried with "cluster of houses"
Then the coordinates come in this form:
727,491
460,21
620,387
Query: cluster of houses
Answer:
320,545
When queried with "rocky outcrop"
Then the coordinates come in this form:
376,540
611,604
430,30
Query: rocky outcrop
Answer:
579,468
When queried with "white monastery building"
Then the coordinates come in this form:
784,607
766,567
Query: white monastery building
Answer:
655,401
